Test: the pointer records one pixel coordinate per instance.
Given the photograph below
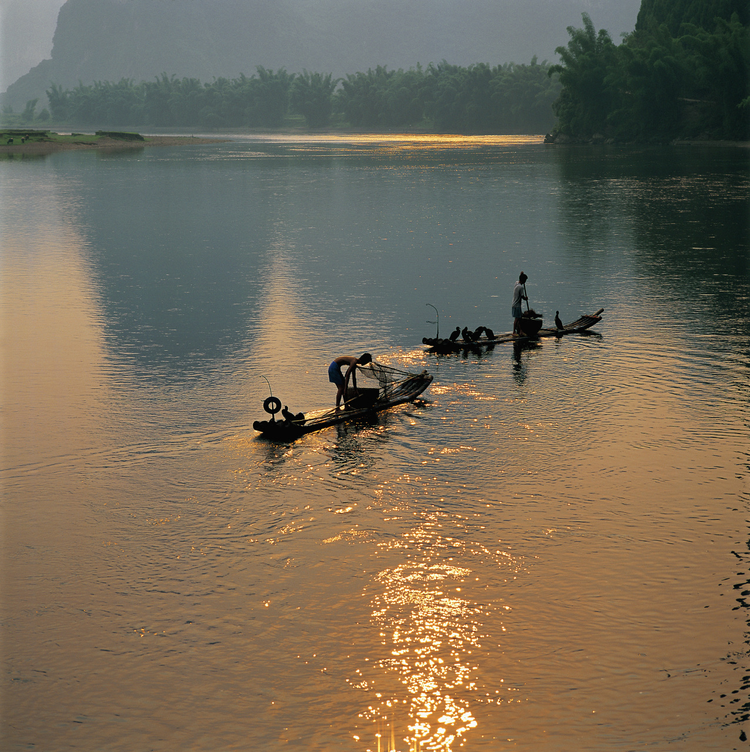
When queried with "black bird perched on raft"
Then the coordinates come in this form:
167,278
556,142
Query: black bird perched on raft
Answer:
490,334
558,322
478,332
467,335
454,334
288,415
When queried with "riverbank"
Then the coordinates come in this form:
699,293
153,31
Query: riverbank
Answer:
32,142
560,139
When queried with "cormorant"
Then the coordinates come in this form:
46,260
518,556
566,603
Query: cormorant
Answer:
558,322
288,415
454,334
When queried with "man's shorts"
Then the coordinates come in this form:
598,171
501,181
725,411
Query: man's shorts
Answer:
334,373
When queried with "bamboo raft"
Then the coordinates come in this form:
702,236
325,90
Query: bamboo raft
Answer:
361,404
582,324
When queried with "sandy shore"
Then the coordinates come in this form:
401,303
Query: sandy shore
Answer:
46,147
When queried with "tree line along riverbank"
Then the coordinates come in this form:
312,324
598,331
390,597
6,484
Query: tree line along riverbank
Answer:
684,73
447,98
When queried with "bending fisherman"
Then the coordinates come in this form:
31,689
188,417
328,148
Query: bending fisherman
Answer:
335,375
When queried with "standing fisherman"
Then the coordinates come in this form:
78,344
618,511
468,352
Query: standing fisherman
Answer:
518,296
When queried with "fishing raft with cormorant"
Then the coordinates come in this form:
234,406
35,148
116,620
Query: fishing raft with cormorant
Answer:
531,329
394,387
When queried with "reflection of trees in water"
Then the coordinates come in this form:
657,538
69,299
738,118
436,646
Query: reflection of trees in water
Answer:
688,209
178,253
692,232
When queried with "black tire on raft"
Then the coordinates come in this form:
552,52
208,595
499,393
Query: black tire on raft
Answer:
272,405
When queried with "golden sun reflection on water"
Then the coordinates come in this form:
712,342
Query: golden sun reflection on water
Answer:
431,627
392,143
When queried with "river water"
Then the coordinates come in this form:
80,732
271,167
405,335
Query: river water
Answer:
549,551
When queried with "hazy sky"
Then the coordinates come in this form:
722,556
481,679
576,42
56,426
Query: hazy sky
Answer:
27,28
26,38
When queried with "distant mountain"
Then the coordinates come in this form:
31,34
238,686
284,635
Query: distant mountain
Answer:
107,40
26,30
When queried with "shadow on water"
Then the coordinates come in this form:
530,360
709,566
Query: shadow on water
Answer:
520,358
18,157
273,454
350,446
352,443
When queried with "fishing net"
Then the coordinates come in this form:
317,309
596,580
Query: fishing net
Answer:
386,376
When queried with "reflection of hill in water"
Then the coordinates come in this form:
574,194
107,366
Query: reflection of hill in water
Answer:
178,254
685,207
190,252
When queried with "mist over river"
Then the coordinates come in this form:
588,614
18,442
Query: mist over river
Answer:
547,551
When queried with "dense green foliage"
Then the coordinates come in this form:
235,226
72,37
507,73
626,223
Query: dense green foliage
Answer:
702,13
312,97
683,73
479,99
